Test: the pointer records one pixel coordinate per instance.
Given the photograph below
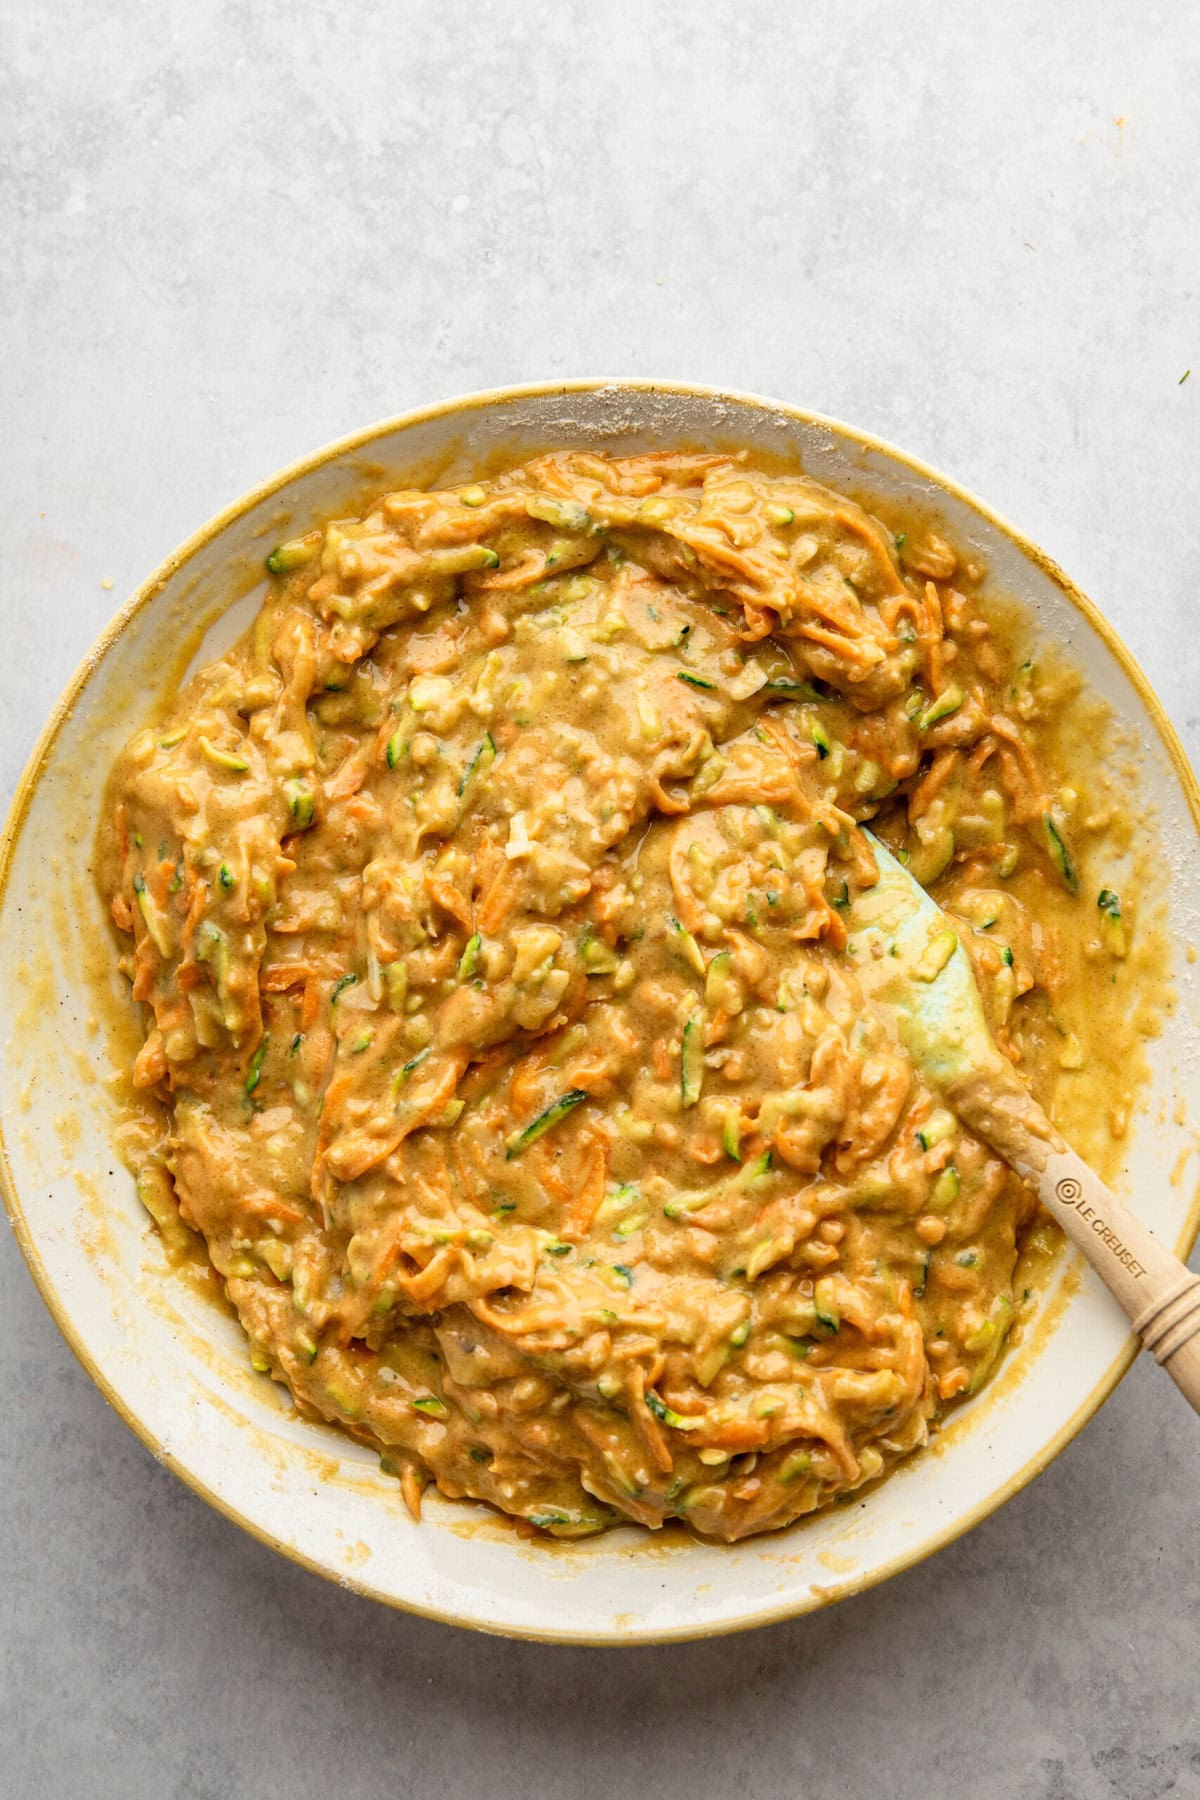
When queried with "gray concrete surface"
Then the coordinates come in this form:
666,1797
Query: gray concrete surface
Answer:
232,231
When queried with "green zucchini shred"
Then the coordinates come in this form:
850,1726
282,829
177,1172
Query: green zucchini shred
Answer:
254,1073
294,553
667,1414
783,687
414,1062
301,803
468,962
683,941
691,1062
1112,921
483,758
1060,855
545,1121
947,702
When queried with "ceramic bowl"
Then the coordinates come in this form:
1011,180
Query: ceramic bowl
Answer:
175,1367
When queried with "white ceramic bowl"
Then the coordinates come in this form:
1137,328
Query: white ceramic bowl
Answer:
176,1368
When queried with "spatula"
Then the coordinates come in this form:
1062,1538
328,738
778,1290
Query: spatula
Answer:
909,960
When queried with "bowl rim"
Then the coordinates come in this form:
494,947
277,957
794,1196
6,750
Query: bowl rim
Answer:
142,597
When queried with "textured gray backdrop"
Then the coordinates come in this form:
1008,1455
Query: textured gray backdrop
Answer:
231,232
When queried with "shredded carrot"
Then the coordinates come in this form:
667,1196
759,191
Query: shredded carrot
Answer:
412,1487
383,738
279,977
984,749
778,788
310,1006
498,900
892,609
714,550
435,1099
392,1238
934,655
834,926
522,1324
704,1149
594,1077
668,803
145,959
150,1064
931,785
800,756
1004,728
739,1434
590,1191
860,655
863,526
717,1027
272,1207
549,1174
838,610
428,1282
463,1174
449,899
523,1084
197,900
795,1146
523,574
644,1422
759,623
349,777
161,879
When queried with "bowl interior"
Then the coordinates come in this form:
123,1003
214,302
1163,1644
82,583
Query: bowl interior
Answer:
176,1367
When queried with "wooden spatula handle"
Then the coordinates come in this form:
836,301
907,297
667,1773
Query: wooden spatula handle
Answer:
1159,1293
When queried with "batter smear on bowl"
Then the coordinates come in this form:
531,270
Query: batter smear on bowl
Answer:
486,907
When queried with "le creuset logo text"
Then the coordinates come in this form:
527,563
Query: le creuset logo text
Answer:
1071,1191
